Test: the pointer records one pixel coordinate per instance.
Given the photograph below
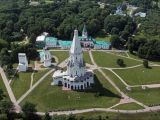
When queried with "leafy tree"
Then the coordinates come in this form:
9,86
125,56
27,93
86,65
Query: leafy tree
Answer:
1,94
120,62
47,117
115,41
5,106
29,108
145,63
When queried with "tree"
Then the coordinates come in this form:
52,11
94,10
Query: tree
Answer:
115,41
26,2
145,63
29,108
47,117
1,94
5,106
120,62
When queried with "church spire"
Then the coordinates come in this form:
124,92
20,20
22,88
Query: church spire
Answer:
84,32
76,46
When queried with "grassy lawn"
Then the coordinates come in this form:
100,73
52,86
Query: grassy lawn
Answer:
120,53
106,38
148,96
129,106
39,74
115,79
104,59
87,58
49,98
61,55
2,86
22,84
118,116
140,75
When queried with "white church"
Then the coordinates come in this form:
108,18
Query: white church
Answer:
77,77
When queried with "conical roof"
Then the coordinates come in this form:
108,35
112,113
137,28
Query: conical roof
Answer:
76,46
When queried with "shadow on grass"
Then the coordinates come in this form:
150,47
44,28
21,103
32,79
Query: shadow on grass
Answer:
100,90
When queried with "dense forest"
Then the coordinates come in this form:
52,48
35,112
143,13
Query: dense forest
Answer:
19,19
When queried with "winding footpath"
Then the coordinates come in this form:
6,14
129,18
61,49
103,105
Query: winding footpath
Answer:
9,90
125,98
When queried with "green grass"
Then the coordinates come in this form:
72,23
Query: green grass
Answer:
118,116
147,96
115,79
38,74
2,86
22,84
140,75
120,53
106,38
87,58
128,106
104,59
49,98
61,55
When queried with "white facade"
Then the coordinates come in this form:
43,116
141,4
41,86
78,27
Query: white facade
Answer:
77,76
46,58
23,62
85,40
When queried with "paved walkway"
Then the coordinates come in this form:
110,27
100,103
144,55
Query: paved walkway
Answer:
150,109
124,97
38,82
9,90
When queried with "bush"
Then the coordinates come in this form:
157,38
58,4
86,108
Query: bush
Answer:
145,63
120,62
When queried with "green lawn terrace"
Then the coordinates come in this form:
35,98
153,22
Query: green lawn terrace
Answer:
21,84
106,59
50,98
140,75
146,96
128,106
118,116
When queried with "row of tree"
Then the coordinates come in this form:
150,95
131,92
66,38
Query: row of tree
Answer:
147,49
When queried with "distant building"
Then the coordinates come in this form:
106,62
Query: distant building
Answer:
119,11
23,62
85,40
77,77
65,44
102,45
40,40
45,57
141,14
51,42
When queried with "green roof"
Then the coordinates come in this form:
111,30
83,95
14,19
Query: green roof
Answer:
105,43
65,43
51,39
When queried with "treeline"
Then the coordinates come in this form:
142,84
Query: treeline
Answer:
146,49
8,58
58,18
